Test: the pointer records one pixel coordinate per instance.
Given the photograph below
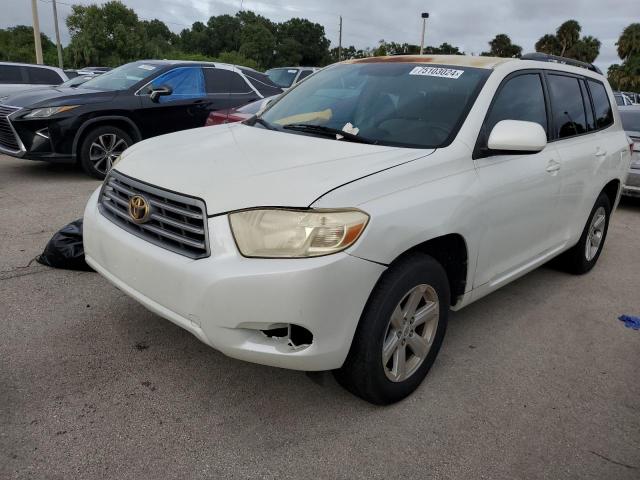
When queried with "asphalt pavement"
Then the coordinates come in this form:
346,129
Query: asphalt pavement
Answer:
538,380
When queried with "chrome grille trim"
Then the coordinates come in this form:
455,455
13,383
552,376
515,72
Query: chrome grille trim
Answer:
9,140
177,222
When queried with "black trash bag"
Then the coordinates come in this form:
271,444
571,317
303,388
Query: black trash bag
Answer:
65,249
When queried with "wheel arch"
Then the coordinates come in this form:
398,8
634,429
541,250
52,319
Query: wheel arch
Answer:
612,191
452,253
118,121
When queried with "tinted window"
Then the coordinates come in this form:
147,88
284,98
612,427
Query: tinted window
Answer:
401,104
601,105
631,120
261,82
43,76
186,83
218,80
304,74
566,103
521,98
591,122
10,74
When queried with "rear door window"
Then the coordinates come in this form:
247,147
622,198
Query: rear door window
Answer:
186,83
601,105
218,80
304,74
568,108
43,76
11,74
520,98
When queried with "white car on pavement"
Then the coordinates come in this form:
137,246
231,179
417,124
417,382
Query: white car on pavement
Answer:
336,230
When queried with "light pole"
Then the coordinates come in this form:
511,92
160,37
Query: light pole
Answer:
36,31
425,15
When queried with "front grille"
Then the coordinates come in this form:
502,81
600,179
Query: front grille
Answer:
177,222
8,139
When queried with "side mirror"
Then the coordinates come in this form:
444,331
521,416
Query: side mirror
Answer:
161,91
517,136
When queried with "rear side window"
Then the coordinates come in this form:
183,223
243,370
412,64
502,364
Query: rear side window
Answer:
10,74
601,105
218,80
304,74
43,76
185,83
521,98
261,82
568,108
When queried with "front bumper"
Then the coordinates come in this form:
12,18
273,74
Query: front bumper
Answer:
226,300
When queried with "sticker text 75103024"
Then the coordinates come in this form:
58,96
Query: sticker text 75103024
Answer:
437,72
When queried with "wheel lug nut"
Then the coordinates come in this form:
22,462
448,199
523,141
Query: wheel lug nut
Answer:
399,334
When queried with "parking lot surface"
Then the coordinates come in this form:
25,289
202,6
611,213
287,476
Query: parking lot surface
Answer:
538,380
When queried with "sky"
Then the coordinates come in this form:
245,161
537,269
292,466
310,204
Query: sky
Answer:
468,24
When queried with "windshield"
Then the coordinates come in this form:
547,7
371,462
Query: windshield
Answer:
122,77
283,77
400,104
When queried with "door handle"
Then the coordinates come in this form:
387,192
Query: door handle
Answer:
600,153
553,166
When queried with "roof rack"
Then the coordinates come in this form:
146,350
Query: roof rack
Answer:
545,57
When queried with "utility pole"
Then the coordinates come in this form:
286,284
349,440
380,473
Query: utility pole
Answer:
340,41
36,31
55,22
425,15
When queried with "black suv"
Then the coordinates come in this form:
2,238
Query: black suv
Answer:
94,122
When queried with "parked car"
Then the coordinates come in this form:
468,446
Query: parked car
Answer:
93,70
78,80
335,232
633,96
239,114
631,122
17,77
622,100
285,77
95,121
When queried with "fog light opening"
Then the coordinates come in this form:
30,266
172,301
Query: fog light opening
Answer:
299,336
294,335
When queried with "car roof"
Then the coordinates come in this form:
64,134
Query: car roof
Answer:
461,60
20,64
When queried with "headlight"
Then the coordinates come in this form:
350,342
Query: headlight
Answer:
282,233
49,111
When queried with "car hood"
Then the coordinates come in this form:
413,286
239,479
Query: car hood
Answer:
236,166
55,96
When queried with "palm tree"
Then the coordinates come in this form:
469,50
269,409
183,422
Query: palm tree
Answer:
629,42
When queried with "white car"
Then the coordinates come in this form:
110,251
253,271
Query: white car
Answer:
337,229
16,77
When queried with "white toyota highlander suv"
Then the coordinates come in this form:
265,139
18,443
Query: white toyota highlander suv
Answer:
336,229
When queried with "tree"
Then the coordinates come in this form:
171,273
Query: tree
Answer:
314,45
258,43
629,42
110,35
444,49
16,45
568,43
627,75
501,46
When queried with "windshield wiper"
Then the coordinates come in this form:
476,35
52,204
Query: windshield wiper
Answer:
252,121
328,131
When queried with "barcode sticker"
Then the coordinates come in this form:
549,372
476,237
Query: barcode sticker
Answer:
437,72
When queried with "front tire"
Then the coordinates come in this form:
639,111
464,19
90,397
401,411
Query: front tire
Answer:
400,332
100,147
581,258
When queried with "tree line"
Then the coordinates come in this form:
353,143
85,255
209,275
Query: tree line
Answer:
112,34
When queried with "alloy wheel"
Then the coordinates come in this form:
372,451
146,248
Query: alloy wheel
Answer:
596,233
410,333
104,150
